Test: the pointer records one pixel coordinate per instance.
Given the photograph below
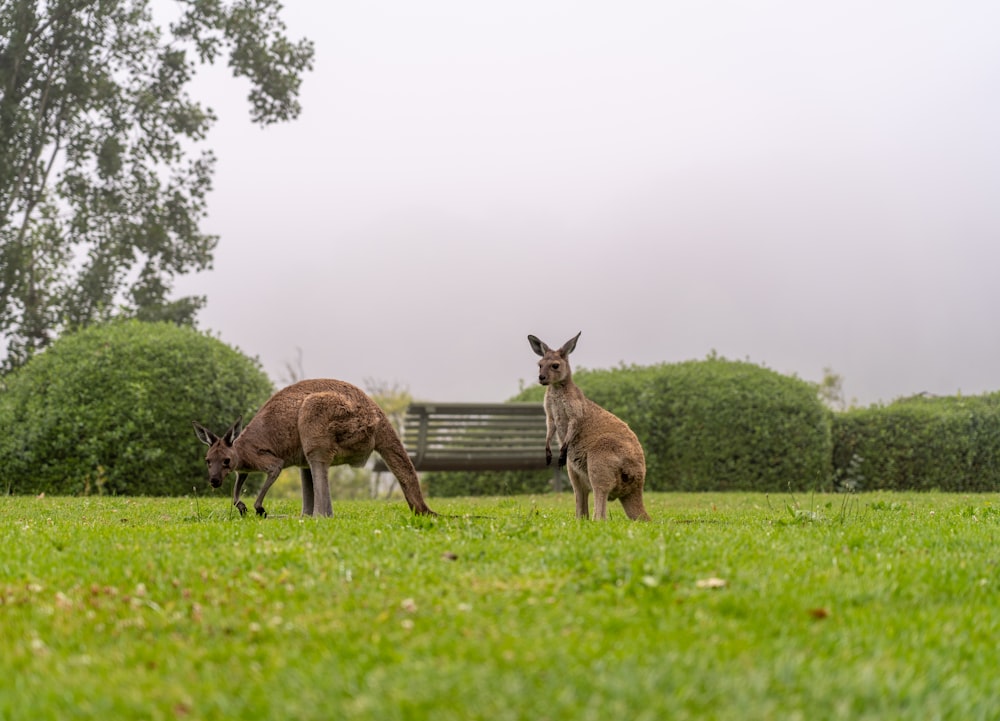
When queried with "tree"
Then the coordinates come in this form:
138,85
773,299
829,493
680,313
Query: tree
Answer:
294,372
103,176
831,390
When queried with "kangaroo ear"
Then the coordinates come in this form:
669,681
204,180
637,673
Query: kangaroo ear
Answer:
537,345
569,345
234,432
204,435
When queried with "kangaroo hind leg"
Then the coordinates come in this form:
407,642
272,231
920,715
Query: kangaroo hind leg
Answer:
581,492
307,491
322,505
604,480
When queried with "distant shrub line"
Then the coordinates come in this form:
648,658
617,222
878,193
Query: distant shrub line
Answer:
109,410
704,425
949,443
727,425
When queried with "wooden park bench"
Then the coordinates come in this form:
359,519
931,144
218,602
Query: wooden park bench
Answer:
475,437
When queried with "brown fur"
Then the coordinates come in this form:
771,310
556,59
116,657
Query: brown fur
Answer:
313,424
599,450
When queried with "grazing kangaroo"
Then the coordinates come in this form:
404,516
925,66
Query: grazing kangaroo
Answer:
313,424
599,450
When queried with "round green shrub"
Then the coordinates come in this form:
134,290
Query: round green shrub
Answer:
704,425
949,444
723,425
108,410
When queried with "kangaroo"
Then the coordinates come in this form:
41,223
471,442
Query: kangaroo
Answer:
599,450
313,424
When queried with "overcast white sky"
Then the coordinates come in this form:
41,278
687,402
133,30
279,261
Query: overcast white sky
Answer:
800,184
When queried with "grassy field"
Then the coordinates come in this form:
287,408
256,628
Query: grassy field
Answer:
738,606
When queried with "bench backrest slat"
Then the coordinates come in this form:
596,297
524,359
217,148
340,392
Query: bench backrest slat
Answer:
474,436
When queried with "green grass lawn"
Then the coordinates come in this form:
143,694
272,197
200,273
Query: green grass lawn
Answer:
727,606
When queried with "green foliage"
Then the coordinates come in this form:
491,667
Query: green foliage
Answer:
103,175
704,425
109,410
831,390
949,443
730,425
726,607
490,483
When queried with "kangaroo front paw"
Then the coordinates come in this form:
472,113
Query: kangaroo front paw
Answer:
562,455
260,511
241,507
548,456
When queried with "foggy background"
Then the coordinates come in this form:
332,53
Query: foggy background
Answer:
799,184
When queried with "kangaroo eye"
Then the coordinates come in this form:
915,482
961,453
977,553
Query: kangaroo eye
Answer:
225,462
555,366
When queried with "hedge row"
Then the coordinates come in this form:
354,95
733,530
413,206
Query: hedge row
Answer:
704,425
722,425
948,444
109,410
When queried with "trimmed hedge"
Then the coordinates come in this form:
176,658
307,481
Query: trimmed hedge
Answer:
948,444
704,425
489,483
109,410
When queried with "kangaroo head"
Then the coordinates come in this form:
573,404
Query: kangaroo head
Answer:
553,368
221,458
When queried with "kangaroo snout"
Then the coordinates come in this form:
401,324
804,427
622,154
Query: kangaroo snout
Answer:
215,482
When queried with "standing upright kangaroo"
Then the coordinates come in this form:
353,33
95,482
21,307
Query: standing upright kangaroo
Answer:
313,424
599,450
